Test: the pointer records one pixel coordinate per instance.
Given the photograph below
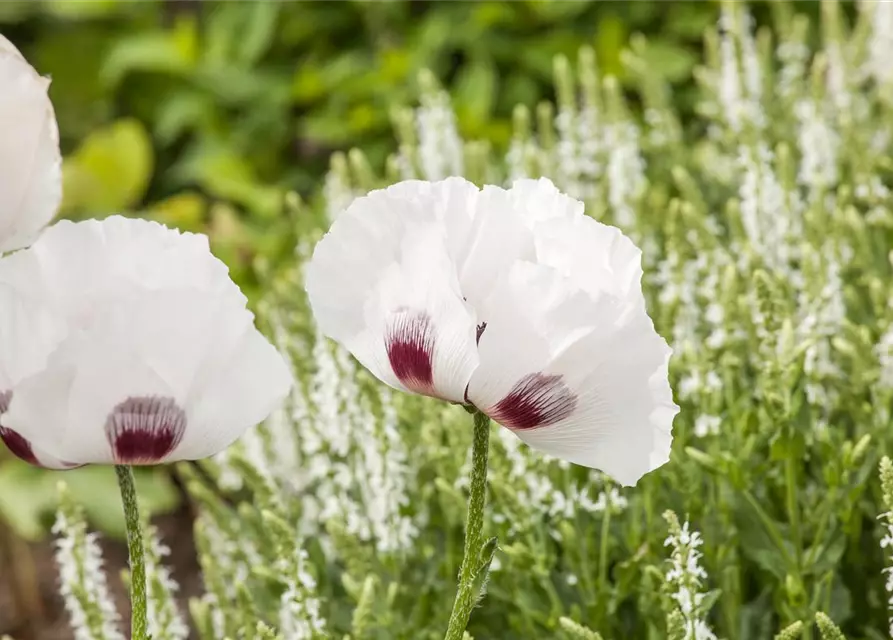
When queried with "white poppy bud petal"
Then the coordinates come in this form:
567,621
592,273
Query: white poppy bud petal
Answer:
159,360
30,160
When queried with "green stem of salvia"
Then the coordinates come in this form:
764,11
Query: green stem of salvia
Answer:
603,551
466,595
139,624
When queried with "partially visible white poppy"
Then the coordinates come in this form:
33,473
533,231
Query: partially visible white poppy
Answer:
159,361
511,300
30,160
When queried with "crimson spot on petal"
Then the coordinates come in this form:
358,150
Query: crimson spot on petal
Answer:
410,346
537,400
18,446
145,430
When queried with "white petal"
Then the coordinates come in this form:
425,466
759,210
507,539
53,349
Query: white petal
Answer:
498,237
64,409
28,334
420,334
30,160
24,450
75,268
250,370
539,201
383,283
452,202
597,257
579,378
157,340
8,48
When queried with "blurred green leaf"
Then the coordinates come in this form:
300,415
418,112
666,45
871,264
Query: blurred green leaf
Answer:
557,11
223,174
29,496
110,170
174,52
184,211
669,60
475,94
82,10
71,59
610,39
16,10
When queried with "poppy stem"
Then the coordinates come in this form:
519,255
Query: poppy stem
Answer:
473,565
139,622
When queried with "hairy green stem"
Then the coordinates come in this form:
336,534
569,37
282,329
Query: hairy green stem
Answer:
139,622
790,473
466,595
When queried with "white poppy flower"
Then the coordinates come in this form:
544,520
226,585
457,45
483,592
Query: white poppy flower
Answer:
30,160
511,300
158,359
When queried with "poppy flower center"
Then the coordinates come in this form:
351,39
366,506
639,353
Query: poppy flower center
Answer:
145,430
537,400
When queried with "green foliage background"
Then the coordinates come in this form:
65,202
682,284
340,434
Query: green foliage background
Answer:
204,115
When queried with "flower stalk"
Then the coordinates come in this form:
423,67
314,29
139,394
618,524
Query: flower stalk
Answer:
469,582
139,623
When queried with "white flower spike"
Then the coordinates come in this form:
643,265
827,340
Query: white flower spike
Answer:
30,160
141,350
511,300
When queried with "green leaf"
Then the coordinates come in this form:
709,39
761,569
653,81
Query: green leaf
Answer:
110,171
96,489
258,33
172,52
550,11
225,174
71,58
184,211
475,94
609,41
29,497
81,10
671,61
26,497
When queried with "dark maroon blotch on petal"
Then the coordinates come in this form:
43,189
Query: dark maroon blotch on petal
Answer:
537,400
18,446
410,347
145,430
